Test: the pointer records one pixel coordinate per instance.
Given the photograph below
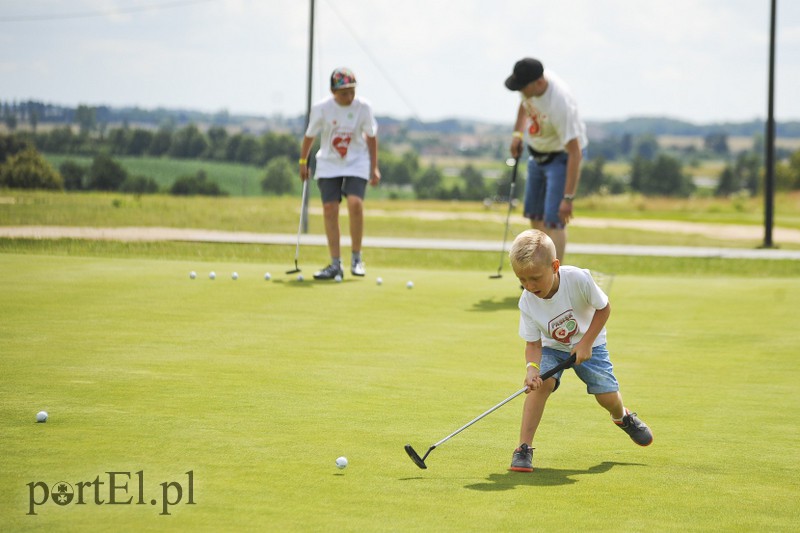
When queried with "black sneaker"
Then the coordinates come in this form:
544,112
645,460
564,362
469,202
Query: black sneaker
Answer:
329,272
636,429
522,460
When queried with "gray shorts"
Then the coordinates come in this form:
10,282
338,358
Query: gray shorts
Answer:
597,372
332,189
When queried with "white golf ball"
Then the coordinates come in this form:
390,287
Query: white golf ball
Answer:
338,278
212,275
235,275
192,274
410,285
341,463
267,276
41,416
379,281
299,277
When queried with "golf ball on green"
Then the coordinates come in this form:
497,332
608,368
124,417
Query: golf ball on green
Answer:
212,275
410,285
192,274
299,277
235,275
267,276
379,281
341,463
41,417
338,278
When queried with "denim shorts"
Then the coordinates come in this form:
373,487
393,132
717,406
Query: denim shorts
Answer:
544,190
332,189
597,372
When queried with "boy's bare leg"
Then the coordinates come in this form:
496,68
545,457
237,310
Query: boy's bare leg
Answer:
532,411
331,213
355,207
612,402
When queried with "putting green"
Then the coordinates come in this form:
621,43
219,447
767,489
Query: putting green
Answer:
245,392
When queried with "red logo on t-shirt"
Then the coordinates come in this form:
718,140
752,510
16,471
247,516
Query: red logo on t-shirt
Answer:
341,142
563,327
536,118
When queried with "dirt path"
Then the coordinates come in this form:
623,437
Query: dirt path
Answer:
733,232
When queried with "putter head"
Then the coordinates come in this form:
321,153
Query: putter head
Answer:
415,457
495,276
296,268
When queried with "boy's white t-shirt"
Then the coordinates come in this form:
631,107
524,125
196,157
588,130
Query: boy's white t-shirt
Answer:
561,321
343,149
553,117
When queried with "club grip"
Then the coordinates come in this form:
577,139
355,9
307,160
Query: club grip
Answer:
568,362
514,173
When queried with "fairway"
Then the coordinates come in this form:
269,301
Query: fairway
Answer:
243,394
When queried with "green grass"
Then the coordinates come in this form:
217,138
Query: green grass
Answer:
384,217
234,178
257,387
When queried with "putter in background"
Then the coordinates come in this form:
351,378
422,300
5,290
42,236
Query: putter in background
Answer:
512,163
299,229
420,461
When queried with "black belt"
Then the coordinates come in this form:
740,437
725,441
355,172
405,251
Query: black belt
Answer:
544,158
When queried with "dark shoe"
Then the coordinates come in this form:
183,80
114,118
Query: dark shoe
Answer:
522,460
636,429
329,272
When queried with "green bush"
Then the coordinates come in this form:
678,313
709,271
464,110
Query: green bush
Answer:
280,178
196,185
29,170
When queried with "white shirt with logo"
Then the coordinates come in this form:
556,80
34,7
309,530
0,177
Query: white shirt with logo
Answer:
553,118
561,321
343,149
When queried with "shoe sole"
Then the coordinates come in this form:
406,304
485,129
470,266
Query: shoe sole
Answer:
519,469
652,438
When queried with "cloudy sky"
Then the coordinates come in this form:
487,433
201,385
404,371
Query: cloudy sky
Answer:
696,60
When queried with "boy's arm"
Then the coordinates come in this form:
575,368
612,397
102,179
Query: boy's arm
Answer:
533,361
305,152
583,350
374,171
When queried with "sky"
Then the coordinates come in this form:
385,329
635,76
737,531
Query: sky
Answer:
696,60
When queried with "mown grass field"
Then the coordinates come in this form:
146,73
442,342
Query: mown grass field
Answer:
256,387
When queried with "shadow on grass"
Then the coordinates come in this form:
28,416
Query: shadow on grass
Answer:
541,477
490,304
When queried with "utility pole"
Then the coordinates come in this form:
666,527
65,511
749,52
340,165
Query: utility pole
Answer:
769,176
304,214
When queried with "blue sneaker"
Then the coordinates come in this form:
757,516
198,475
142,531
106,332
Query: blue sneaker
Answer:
522,460
329,272
636,429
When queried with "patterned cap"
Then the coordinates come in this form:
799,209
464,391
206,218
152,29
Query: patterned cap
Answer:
342,78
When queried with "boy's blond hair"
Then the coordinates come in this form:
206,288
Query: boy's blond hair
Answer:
532,247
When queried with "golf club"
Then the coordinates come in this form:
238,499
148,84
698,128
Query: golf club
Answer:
508,216
420,461
299,229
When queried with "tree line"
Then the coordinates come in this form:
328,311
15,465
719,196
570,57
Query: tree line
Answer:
653,171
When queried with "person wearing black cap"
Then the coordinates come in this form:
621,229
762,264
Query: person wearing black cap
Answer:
556,143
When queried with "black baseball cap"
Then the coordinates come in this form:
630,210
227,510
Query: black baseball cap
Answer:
525,71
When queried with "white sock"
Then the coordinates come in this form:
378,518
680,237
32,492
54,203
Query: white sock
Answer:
624,412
